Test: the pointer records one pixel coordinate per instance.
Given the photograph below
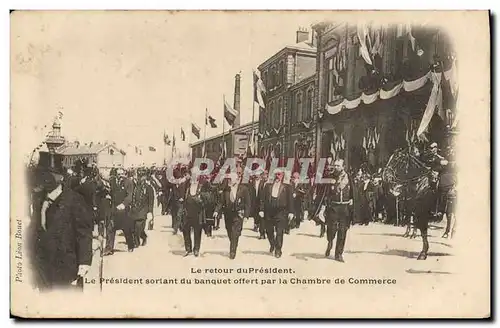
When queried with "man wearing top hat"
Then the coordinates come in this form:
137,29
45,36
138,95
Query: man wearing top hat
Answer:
61,233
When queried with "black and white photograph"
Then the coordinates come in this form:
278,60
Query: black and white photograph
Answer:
250,164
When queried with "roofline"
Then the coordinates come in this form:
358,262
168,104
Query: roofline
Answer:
303,82
284,50
249,124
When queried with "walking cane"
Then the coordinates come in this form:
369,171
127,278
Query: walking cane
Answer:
101,260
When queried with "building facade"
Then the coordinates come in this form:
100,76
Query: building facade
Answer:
237,141
105,156
370,94
288,77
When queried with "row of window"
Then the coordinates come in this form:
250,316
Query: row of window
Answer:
302,110
274,76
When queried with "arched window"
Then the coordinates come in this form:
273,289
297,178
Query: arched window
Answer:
273,76
270,115
281,112
262,151
264,79
276,114
299,106
281,76
309,107
277,150
269,151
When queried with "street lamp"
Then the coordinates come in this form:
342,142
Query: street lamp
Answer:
54,140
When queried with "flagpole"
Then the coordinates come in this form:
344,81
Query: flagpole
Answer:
253,120
172,147
205,133
164,147
223,125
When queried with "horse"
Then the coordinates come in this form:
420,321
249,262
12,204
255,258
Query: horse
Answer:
409,178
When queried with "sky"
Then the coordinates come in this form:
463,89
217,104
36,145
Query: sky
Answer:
128,76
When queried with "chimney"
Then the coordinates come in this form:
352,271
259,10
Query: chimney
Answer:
236,105
314,39
302,35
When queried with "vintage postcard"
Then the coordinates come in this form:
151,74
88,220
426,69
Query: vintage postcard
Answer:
250,164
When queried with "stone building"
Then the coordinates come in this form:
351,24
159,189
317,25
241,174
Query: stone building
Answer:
369,103
288,77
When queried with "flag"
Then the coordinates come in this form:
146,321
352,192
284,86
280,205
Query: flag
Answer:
166,139
210,120
183,135
195,130
259,90
252,143
363,49
377,45
151,148
229,113
435,102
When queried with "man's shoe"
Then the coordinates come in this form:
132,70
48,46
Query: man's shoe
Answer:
232,256
328,249
144,242
339,258
130,250
108,253
422,256
262,237
271,249
277,254
196,253
188,253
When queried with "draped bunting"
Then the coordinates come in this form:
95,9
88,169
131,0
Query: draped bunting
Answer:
408,86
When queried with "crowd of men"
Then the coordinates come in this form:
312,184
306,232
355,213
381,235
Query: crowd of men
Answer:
70,209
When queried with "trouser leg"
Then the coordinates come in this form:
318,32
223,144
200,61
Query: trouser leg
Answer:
331,231
128,231
236,232
281,225
269,223
137,232
341,238
110,236
186,232
262,227
197,229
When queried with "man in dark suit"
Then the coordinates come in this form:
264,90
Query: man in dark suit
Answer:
235,203
256,188
142,207
179,184
87,187
121,197
197,196
298,196
338,209
278,211
63,234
